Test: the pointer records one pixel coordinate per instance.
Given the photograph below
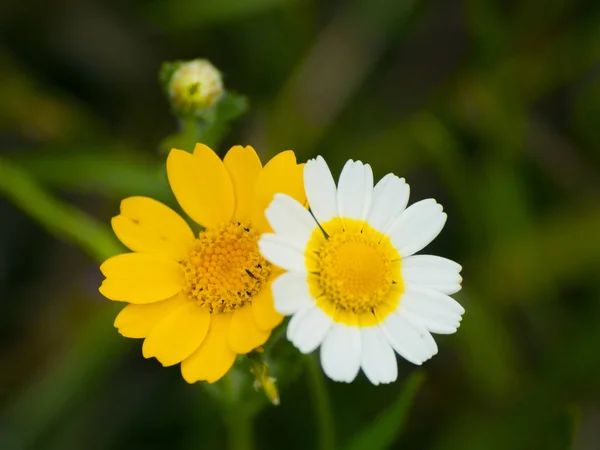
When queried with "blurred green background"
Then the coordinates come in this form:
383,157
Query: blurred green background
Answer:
490,106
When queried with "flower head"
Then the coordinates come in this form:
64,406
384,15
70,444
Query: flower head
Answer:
353,284
201,300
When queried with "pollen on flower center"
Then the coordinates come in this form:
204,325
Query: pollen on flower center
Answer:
356,270
225,270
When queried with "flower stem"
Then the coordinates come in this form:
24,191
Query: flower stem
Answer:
322,405
238,419
239,429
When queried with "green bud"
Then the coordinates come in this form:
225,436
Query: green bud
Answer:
193,87
269,385
260,370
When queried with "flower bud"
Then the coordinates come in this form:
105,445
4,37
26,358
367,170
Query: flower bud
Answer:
260,370
192,86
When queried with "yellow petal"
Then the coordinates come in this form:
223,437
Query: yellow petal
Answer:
263,307
137,321
214,357
243,166
140,278
178,335
244,335
201,185
280,175
146,225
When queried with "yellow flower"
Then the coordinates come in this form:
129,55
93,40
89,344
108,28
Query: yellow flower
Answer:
201,300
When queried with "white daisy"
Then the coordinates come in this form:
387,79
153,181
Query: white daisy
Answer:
353,284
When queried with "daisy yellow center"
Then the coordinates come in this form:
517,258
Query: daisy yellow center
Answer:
357,275
225,270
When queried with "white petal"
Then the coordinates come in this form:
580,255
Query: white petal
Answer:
320,190
368,192
290,220
390,197
409,341
340,353
377,359
295,321
307,328
433,272
437,312
281,253
423,332
417,226
291,293
355,189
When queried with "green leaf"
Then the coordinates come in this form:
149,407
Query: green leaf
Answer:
230,107
386,428
210,128
167,69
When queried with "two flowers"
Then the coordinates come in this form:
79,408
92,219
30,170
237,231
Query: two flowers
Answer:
279,240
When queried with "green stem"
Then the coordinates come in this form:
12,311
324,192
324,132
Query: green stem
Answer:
322,405
238,418
239,429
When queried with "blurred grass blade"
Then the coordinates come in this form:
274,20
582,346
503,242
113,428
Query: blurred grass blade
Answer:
108,172
61,219
386,428
34,409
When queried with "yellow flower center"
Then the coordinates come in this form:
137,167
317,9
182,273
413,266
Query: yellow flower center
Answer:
225,269
357,278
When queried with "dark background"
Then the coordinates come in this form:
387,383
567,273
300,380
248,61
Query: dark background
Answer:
491,107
